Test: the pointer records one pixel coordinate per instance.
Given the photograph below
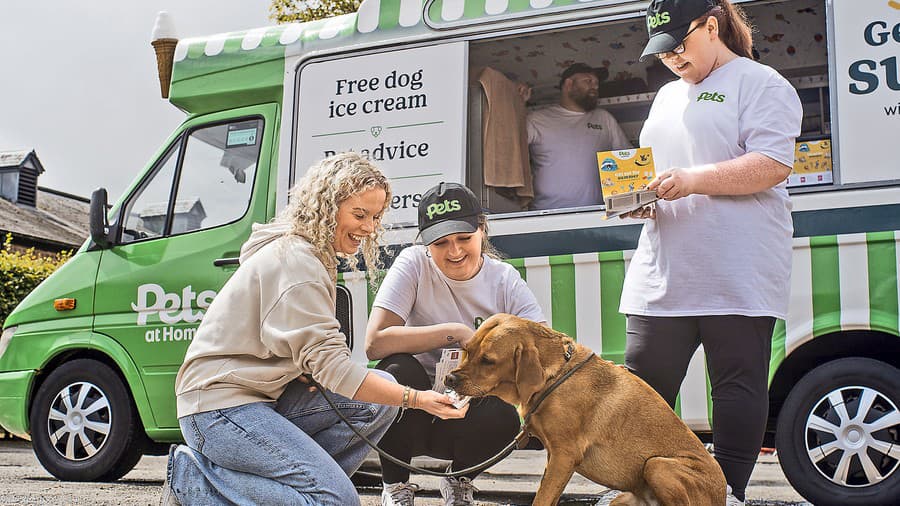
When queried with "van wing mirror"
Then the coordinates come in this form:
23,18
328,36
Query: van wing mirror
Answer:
99,223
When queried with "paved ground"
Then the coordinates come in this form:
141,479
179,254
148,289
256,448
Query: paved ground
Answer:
512,481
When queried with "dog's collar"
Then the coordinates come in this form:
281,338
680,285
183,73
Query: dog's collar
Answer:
524,434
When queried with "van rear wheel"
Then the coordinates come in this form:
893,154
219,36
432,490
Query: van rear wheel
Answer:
838,434
84,426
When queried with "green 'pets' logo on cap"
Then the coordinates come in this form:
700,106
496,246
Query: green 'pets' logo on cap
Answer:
658,19
441,208
712,97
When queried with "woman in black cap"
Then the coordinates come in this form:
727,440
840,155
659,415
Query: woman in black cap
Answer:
434,297
712,266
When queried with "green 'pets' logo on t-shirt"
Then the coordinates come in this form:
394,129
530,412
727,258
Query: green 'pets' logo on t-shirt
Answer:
712,97
478,321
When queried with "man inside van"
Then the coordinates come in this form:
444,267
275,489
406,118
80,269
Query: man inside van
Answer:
564,138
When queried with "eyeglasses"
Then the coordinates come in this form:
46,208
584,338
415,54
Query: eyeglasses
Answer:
680,47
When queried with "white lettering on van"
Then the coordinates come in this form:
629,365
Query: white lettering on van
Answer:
158,335
171,308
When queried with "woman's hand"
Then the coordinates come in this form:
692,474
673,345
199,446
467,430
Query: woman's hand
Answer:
524,91
645,212
303,378
674,184
439,405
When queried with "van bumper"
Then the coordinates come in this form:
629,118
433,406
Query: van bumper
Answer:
13,408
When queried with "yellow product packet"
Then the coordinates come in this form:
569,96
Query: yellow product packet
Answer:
812,163
624,176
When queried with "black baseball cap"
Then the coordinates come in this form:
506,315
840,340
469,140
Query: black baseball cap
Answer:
583,68
668,22
448,208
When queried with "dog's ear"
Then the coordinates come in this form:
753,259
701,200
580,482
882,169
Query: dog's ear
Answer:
529,372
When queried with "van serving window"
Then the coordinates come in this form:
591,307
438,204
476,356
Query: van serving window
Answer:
795,46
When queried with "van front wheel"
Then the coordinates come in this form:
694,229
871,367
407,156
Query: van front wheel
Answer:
84,426
838,433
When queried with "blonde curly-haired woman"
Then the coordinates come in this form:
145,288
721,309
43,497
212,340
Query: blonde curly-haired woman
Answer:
254,431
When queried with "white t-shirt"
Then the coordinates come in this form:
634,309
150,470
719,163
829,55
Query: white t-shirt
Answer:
419,293
714,255
563,145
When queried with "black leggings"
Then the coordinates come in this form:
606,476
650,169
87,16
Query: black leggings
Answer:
487,428
737,350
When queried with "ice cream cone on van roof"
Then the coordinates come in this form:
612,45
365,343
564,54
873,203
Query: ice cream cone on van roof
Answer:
164,41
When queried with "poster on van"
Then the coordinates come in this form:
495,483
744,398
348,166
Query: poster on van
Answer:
867,44
402,109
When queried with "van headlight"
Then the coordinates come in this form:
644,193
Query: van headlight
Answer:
5,338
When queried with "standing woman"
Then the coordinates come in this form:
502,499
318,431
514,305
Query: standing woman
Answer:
712,266
434,296
255,433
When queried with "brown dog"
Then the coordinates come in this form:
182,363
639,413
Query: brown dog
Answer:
603,421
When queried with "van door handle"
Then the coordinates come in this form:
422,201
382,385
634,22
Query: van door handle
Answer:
221,262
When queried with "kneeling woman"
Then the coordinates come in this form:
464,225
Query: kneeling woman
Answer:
254,432
434,296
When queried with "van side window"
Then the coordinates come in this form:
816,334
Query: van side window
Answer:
145,215
217,175
214,183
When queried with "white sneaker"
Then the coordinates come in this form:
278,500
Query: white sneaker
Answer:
730,499
398,494
608,497
458,491
168,495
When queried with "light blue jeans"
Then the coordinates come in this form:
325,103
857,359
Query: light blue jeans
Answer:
295,451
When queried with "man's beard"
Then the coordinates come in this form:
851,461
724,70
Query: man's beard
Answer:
586,101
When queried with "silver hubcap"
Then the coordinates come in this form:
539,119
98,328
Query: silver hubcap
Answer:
79,421
853,436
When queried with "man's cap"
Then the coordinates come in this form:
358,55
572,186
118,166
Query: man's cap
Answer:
583,68
668,22
448,208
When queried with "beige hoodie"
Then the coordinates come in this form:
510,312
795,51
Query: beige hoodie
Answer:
272,321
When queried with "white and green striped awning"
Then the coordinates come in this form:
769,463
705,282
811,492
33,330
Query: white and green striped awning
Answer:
379,16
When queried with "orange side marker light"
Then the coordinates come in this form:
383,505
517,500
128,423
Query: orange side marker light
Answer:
64,304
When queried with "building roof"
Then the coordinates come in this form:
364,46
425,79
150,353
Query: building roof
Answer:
60,219
12,158
19,158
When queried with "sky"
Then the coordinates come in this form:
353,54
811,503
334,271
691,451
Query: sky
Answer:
78,83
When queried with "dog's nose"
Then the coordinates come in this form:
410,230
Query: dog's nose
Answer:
451,380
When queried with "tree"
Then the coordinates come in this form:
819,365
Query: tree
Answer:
289,11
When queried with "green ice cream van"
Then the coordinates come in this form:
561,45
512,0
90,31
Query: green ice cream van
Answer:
88,359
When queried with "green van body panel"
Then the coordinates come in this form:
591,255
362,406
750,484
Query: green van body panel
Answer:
75,279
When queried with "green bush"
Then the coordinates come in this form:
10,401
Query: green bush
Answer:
21,271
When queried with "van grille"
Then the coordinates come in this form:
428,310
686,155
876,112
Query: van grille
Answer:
343,312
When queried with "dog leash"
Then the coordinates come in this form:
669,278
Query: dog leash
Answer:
548,391
452,474
517,442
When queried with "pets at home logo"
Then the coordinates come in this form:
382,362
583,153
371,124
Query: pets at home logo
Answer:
658,19
712,97
155,304
441,208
